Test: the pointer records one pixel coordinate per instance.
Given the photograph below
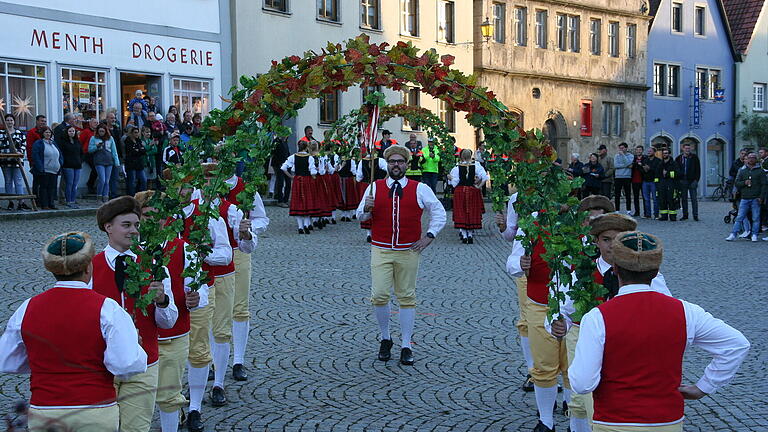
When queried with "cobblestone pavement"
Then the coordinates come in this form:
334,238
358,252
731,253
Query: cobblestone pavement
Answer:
313,341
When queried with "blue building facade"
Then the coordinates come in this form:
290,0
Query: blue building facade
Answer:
691,78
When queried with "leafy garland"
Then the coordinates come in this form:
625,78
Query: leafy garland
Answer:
246,129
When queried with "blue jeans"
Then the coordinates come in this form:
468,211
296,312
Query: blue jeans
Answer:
430,179
104,173
113,177
649,194
71,180
744,207
135,176
14,184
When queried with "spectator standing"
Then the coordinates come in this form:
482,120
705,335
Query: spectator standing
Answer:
116,132
430,166
668,187
173,110
414,166
753,186
385,142
12,141
135,162
576,169
105,159
690,173
153,161
72,156
282,182
170,123
651,167
172,153
138,117
85,139
197,123
152,105
33,135
608,171
637,178
48,163
186,135
593,176
622,163
186,119
60,131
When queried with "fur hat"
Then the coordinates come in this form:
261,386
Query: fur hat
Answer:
116,207
637,251
209,168
612,222
597,202
144,197
396,149
68,253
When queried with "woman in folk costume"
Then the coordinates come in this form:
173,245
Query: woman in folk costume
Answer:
363,177
346,169
301,168
334,184
325,209
467,179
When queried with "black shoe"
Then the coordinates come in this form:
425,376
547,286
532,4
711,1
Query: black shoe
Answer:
673,218
239,373
636,214
664,218
368,239
541,427
384,350
464,240
696,218
211,374
315,224
333,221
406,357
218,397
301,231
309,228
194,422
528,384
10,205
471,240
566,412
354,216
24,206
684,218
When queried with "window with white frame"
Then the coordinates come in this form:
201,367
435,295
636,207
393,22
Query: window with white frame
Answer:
708,81
448,116
328,10
677,17
22,91
613,118
83,91
409,12
561,21
595,28
700,20
521,26
631,40
758,97
574,33
499,22
666,80
329,107
613,39
446,22
541,28
369,13
276,5
411,98
192,95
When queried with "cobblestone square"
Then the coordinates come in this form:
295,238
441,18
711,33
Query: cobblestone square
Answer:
313,339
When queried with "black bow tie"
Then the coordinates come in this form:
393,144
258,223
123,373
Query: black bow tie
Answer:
120,267
396,188
611,283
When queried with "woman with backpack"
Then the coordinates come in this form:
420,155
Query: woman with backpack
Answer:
105,159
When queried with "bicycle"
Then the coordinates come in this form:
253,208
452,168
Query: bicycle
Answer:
724,190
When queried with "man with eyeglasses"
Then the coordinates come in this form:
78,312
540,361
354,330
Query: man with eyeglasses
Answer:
395,205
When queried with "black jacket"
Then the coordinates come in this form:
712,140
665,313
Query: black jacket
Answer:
72,153
654,169
135,154
669,170
693,172
280,153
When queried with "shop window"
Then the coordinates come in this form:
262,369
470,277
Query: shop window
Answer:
84,92
192,95
329,107
22,92
586,118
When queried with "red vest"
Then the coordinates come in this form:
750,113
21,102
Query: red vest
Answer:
189,223
239,187
174,249
645,338
104,283
396,222
539,275
228,269
61,331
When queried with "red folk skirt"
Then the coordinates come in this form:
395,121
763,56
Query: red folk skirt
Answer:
361,187
334,185
304,198
324,196
468,208
350,194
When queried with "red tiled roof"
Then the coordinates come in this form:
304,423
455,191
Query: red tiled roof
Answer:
742,16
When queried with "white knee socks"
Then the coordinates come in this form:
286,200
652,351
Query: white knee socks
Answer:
169,422
579,425
526,347
240,340
382,316
407,318
198,378
463,232
545,402
220,361
300,222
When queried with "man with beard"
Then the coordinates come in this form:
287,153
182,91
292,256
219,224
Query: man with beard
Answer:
395,205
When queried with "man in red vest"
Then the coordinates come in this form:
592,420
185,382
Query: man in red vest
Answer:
73,341
119,218
395,205
615,362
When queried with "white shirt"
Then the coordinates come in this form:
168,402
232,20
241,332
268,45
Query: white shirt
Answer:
123,355
291,162
727,345
479,172
424,197
258,214
221,253
512,218
234,217
165,318
359,174
513,261
190,256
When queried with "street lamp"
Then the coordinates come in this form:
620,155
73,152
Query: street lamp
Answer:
486,28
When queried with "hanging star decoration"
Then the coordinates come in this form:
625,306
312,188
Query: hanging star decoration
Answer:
2,105
22,106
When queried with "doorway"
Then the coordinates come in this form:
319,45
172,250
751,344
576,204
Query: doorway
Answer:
715,162
150,85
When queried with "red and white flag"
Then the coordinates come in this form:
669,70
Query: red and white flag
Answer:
369,134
